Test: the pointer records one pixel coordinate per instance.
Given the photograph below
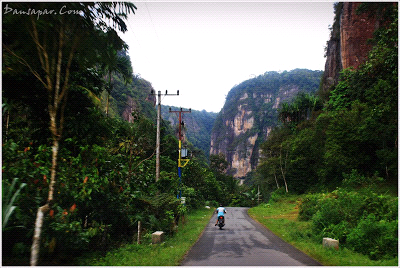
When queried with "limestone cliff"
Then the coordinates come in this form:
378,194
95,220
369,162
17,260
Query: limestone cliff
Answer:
250,112
348,45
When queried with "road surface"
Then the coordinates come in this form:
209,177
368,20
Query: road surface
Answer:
243,242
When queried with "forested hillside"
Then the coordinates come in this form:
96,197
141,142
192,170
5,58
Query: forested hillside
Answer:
130,98
197,126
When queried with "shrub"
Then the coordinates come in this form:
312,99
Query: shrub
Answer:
277,195
309,206
356,180
338,231
329,213
375,238
362,220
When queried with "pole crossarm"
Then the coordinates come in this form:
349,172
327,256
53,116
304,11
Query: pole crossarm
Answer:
180,112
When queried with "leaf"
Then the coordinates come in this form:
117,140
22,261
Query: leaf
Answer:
8,207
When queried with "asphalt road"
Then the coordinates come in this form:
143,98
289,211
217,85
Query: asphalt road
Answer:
243,242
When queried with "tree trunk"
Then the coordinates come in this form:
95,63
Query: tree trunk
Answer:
57,103
139,232
283,170
108,103
108,93
35,249
36,236
7,124
276,179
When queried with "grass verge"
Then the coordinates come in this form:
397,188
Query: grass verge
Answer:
281,218
168,253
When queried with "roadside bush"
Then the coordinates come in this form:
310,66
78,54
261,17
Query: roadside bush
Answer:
162,210
309,206
356,180
384,207
362,220
68,236
277,195
329,213
376,238
338,231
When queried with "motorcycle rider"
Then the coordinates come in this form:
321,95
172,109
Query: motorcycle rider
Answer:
220,211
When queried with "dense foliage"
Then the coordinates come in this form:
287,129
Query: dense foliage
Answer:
105,160
355,214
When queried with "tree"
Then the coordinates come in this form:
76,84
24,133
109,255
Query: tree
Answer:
115,62
58,42
218,163
300,109
276,156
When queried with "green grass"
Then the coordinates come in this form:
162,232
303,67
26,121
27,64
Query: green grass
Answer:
169,253
281,218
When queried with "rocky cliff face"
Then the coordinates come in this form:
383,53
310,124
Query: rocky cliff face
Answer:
355,31
250,112
348,46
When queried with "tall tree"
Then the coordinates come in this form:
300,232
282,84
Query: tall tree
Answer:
62,35
115,62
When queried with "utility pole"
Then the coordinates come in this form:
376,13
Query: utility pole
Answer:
158,128
182,153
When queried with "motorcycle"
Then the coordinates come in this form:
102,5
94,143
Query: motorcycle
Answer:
221,222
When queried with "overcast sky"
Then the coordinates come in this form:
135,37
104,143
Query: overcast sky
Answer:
203,48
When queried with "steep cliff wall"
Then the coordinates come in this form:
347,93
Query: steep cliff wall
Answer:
355,31
250,112
348,45
131,98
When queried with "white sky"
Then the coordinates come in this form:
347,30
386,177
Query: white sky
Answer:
203,48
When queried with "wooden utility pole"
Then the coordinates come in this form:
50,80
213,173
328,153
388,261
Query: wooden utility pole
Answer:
158,137
181,138
158,129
